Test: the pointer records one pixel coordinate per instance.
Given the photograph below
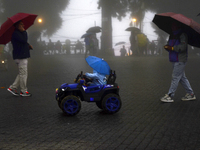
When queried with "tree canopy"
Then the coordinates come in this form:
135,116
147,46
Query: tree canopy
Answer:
48,10
187,8
137,9
117,8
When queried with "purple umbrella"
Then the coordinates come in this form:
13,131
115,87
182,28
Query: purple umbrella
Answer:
189,26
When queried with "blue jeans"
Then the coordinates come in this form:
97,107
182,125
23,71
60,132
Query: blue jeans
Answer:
178,75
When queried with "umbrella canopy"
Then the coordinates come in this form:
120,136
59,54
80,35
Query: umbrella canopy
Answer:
133,29
7,27
120,43
86,34
189,26
98,64
95,29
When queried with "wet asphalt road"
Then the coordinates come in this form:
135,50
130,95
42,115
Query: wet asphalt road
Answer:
37,123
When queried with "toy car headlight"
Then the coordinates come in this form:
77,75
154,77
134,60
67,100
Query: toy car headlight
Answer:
2,62
64,89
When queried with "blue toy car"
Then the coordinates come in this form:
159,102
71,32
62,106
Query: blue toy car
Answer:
106,97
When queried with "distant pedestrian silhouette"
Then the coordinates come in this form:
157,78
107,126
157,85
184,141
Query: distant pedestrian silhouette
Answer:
123,51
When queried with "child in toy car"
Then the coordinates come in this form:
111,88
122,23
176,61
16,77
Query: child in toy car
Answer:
97,78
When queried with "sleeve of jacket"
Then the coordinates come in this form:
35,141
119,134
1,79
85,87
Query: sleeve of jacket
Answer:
20,37
182,47
91,75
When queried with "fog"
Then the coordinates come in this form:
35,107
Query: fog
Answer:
70,19
80,15
142,76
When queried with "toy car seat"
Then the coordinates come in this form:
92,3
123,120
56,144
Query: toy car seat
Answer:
112,77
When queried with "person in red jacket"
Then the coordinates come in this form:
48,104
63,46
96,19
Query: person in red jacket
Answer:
21,53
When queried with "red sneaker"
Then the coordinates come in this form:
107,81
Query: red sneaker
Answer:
25,94
13,91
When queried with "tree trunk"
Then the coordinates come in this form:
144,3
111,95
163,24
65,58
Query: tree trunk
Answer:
106,37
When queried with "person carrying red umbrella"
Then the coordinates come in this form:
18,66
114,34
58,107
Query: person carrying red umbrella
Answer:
21,53
14,30
177,47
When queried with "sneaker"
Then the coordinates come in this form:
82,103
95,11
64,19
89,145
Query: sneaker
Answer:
25,94
13,91
167,99
188,97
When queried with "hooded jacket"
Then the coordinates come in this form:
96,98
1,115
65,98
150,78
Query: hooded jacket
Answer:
179,41
21,48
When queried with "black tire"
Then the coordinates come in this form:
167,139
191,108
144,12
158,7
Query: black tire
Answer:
59,104
111,103
99,104
71,105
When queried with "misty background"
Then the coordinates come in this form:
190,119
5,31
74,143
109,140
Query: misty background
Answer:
69,19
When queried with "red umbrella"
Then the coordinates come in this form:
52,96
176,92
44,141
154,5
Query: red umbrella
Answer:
7,27
189,26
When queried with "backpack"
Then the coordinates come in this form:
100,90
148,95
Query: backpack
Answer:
142,40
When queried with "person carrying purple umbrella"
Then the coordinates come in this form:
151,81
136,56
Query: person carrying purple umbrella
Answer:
177,47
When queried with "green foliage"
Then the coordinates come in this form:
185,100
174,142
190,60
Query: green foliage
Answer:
137,9
48,10
117,8
187,8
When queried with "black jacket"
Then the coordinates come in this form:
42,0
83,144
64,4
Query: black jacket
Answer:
21,48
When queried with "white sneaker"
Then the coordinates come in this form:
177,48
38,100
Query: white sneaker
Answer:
167,99
188,97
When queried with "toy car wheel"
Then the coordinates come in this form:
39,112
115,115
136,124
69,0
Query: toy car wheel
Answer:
71,105
59,104
111,103
99,104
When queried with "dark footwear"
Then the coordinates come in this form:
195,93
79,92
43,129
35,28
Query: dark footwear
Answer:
189,97
25,94
13,91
